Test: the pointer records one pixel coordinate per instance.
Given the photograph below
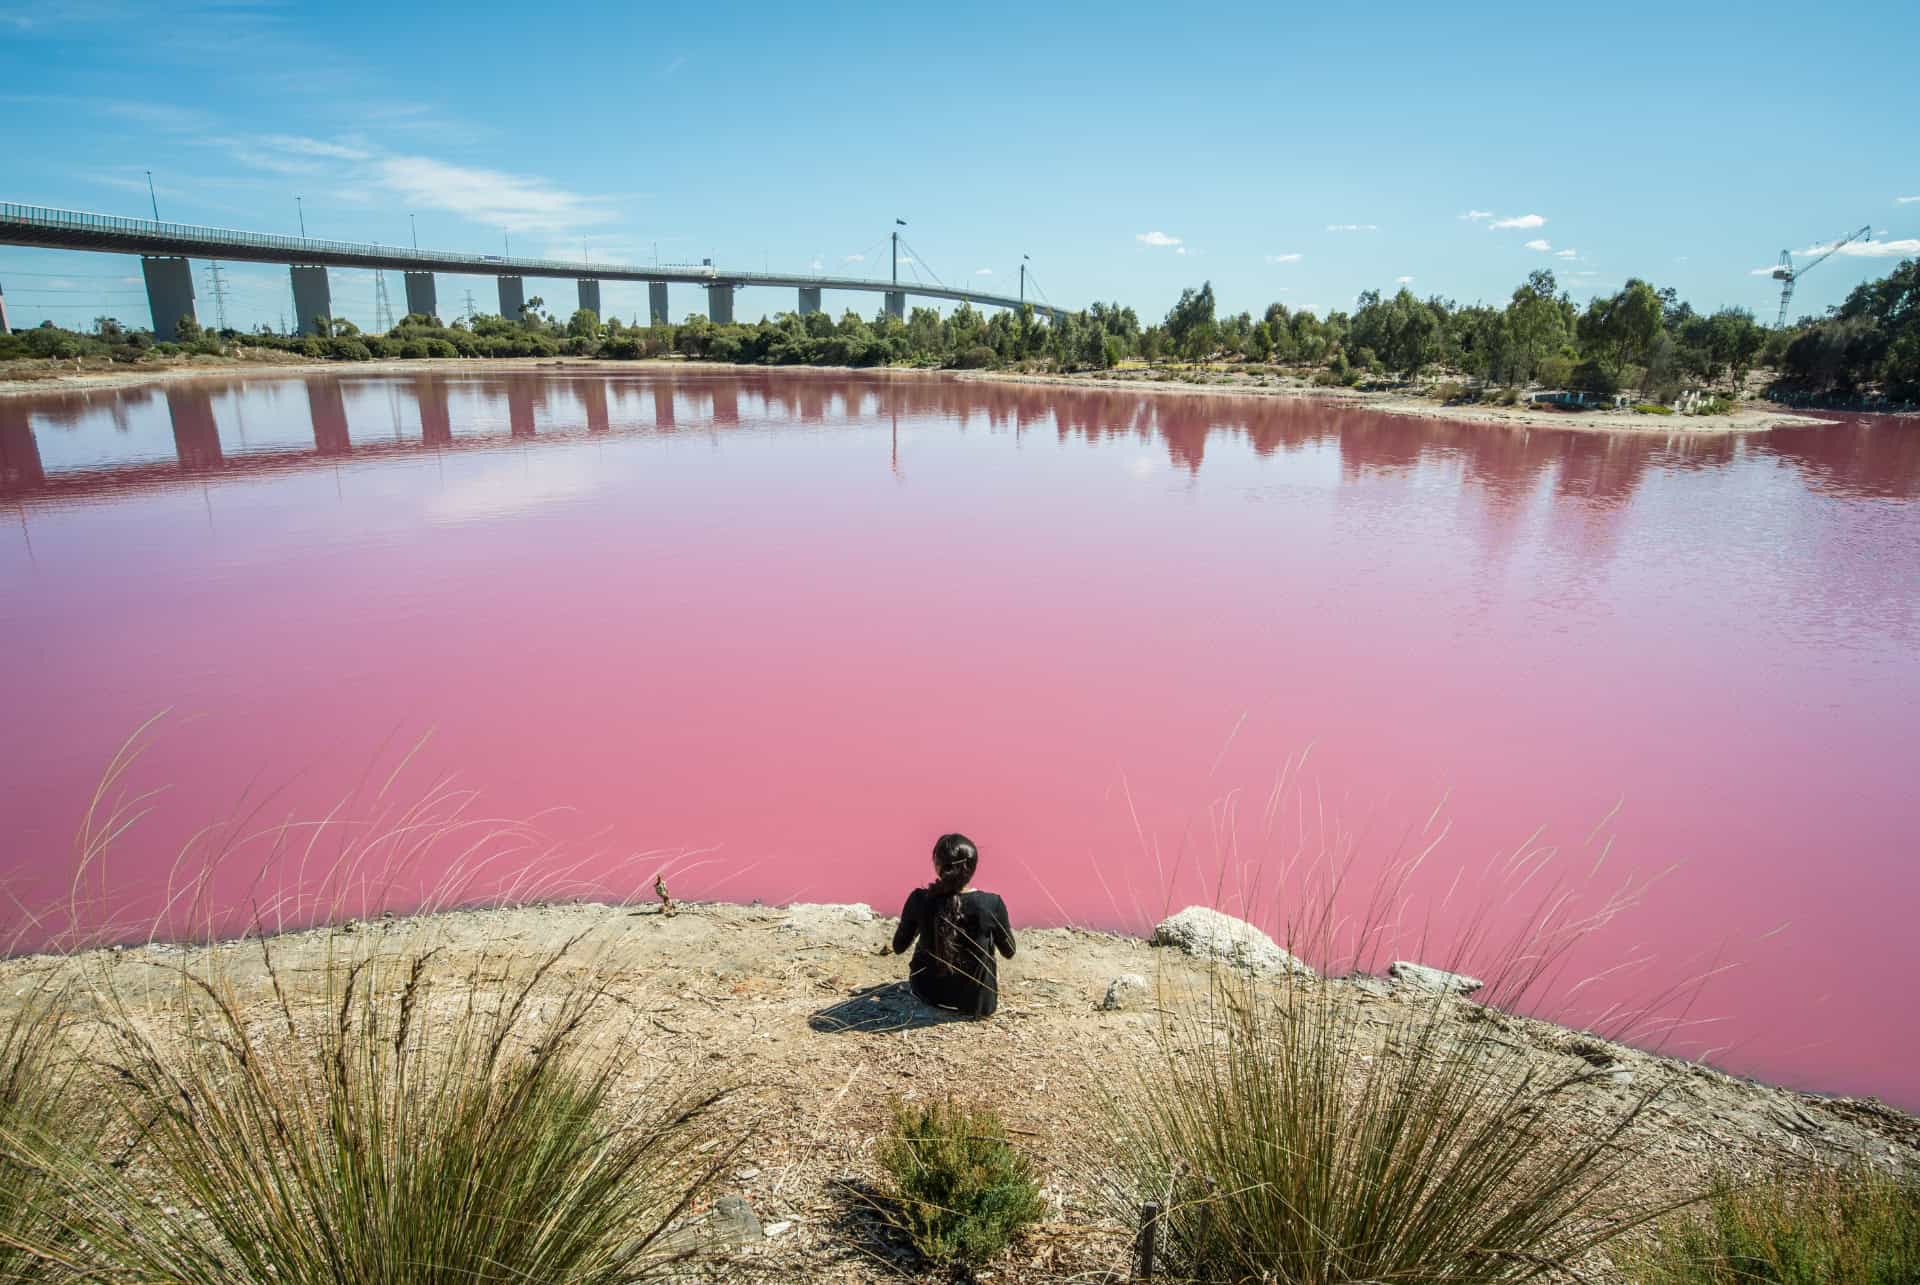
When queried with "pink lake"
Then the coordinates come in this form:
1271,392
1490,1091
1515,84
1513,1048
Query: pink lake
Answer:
775,631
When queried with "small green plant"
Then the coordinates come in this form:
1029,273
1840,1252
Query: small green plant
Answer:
1448,392
1714,406
961,1190
1653,408
1825,1225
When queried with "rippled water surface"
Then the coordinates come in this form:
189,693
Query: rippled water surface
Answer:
786,628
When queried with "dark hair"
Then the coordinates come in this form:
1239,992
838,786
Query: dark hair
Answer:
955,858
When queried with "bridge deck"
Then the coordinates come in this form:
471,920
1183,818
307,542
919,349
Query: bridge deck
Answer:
37,225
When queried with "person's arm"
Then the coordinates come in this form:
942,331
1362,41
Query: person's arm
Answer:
1002,930
909,923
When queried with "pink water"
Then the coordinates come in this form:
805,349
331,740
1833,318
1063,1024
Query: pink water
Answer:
786,628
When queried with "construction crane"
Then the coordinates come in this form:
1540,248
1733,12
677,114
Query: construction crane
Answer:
1786,274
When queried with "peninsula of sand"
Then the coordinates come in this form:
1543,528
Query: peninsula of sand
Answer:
801,1009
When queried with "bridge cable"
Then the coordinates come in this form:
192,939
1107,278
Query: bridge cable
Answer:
917,258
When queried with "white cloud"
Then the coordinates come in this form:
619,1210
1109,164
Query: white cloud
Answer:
1155,238
1522,221
817,265
509,202
1353,227
1404,281
855,258
1541,246
983,272
1283,258
1760,272
1566,254
1868,249
1180,249
1474,216
316,147
1905,200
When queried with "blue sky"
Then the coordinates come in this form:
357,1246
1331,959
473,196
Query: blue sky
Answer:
1284,152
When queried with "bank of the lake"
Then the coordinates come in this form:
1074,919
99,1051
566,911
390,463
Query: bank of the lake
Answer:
783,1002
24,378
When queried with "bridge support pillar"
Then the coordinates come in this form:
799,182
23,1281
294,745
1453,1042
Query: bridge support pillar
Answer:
169,294
590,297
897,304
312,297
809,300
420,295
513,298
657,304
720,304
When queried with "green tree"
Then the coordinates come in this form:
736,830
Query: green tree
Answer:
1190,324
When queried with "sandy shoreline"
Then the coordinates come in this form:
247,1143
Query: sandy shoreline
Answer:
1748,419
796,1005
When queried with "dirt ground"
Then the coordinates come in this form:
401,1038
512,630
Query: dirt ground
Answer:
797,1007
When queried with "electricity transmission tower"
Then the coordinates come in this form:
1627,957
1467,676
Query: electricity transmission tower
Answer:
382,310
219,293
469,307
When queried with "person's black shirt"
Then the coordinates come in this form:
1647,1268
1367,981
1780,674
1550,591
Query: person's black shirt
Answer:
971,984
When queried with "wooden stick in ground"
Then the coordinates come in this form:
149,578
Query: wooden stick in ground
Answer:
1149,1227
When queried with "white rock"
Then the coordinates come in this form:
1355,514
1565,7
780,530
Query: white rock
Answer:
781,1228
809,917
1433,979
1206,933
1125,991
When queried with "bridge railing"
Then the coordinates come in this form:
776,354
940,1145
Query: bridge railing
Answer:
217,242
108,224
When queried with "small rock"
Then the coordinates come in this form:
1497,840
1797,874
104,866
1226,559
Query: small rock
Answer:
1124,991
781,1228
1423,977
1207,934
733,1221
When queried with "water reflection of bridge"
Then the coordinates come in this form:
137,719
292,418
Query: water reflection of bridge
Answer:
1599,470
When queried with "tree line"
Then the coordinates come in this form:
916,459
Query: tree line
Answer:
1638,338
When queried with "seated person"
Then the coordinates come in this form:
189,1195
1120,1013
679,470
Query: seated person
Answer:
958,930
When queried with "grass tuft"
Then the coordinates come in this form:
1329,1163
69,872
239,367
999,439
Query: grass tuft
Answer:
384,1121
961,1190
40,1119
1811,1228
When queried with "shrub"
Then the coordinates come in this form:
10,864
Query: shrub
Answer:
960,1189
1285,1150
978,357
1653,408
1826,1225
1715,406
1554,370
1508,397
385,1122
1449,392
1325,379
37,1124
1594,377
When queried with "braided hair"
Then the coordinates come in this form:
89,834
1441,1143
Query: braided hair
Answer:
954,861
